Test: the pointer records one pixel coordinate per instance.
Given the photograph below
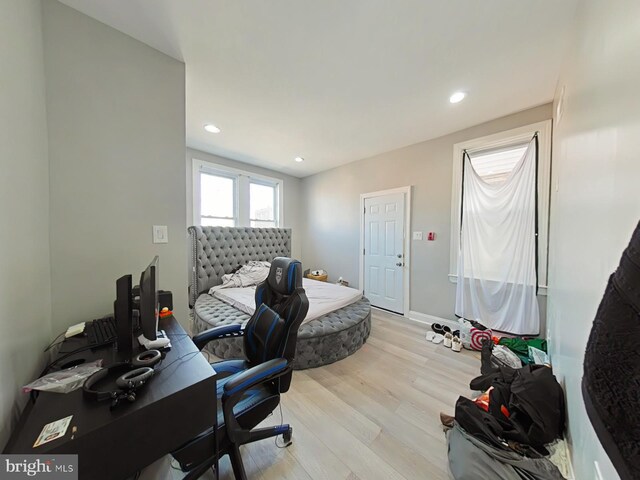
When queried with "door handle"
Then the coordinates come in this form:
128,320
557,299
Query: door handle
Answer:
399,264
399,255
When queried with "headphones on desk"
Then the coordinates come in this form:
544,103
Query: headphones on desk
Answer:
133,375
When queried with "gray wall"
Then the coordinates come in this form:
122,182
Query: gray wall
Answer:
116,117
596,204
331,232
25,282
291,192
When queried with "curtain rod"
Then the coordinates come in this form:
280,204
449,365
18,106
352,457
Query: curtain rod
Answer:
495,149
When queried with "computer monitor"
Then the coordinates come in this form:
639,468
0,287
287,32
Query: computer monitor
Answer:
123,314
149,300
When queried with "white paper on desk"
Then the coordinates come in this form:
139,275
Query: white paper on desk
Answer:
53,430
74,330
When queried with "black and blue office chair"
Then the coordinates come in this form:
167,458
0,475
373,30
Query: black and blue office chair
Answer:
249,390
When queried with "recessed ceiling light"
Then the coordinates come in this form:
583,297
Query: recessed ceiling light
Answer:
299,159
457,97
211,128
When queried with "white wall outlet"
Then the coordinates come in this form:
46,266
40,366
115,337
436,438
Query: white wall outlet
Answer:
598,473
561,105
417,235
160,234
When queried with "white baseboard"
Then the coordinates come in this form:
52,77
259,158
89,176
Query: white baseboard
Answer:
427,319
572,473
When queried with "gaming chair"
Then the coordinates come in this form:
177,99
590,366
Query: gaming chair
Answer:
249,390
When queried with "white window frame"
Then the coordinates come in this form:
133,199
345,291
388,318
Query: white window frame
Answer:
276,198
219,173
242,179
500,140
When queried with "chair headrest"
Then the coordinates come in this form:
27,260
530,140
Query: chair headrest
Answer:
285,275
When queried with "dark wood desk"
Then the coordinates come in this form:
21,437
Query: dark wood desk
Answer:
177,404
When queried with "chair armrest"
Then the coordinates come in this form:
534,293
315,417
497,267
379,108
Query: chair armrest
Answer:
214,333
254,376
234,390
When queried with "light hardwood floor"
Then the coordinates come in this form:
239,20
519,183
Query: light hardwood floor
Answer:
373,415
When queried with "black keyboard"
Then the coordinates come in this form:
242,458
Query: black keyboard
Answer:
101,331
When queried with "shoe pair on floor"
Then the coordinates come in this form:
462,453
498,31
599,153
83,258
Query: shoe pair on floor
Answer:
442,333
452,341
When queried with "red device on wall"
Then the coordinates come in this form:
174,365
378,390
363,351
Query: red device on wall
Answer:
431,237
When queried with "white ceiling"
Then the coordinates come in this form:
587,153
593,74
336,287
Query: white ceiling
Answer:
339,80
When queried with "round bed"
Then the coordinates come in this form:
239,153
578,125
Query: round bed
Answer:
218,250
324,340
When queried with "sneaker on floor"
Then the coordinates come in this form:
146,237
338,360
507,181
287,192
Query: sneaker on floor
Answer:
436,327
447,340
447,420
437,338
456,344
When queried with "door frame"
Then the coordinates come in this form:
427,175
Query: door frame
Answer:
406,274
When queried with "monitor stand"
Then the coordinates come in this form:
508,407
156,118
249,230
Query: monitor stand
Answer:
161,341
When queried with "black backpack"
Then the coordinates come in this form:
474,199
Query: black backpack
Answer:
537,404
530,396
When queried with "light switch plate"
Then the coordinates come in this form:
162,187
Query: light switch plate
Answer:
417,235
160,234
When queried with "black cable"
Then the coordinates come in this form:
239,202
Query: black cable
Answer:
77,350
53,343
175,360
284,347
275,439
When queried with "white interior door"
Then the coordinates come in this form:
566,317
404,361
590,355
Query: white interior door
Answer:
384,251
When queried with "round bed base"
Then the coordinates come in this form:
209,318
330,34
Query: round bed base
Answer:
324,340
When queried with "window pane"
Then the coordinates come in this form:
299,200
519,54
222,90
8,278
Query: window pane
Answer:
263,224
216,196
262,202
495,167
217,222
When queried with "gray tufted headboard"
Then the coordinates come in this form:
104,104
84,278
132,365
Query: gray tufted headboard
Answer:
218,250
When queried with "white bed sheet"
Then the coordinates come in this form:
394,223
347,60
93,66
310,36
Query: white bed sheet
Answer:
323,298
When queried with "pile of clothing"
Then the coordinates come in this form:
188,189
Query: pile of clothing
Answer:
528,351
505,432
514,352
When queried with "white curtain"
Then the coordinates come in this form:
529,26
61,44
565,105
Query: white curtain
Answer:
497,279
